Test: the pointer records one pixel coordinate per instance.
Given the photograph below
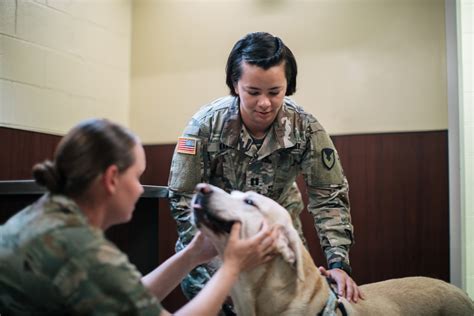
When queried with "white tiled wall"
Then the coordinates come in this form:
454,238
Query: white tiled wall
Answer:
62,61
466,34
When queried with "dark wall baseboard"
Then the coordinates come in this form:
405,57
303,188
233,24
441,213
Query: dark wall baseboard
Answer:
398,191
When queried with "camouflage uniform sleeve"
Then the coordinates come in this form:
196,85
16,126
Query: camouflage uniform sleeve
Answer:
186,171
99,280
328,196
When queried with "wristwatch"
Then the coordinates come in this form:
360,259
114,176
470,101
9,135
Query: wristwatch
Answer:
341,265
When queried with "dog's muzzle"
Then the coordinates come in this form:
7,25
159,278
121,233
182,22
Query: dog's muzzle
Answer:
203,215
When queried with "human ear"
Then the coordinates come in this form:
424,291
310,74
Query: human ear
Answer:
110,178
236,88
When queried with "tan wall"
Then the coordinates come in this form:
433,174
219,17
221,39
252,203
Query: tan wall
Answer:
364,65
62,61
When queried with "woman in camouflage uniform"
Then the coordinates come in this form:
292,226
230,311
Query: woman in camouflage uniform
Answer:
259,139
55,259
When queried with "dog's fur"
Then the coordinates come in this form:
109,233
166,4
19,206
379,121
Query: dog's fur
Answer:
290,284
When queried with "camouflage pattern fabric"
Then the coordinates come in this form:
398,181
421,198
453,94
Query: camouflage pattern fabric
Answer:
227,156
53,262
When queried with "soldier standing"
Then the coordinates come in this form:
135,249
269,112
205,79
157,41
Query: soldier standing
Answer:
259,139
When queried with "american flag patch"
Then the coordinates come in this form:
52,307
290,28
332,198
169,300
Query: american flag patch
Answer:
186,145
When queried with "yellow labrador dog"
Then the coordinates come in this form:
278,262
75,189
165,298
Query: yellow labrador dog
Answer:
291,284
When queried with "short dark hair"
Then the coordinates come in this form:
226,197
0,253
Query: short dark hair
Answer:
263,50
83,154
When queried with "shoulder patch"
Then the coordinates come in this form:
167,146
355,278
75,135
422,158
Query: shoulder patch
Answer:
329,157
186,145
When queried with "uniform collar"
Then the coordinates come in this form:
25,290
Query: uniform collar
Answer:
232,125
283,128
235,134
58,202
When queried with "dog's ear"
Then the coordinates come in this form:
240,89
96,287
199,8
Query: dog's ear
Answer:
288,244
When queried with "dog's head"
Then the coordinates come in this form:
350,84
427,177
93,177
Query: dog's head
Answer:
215,211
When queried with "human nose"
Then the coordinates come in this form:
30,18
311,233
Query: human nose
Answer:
264,101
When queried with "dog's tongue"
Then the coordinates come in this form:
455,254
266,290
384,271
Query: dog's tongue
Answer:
197,206
198,202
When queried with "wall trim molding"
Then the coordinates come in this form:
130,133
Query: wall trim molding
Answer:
457,271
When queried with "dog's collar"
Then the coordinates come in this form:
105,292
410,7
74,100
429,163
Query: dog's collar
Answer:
332,304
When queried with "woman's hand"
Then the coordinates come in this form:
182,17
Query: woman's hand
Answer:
246,254
202,249
346,286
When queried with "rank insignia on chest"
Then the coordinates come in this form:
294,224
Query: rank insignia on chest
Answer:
186,145
329,157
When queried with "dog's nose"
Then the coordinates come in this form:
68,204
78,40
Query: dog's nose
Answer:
203,188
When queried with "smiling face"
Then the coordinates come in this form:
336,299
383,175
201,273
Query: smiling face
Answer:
261,93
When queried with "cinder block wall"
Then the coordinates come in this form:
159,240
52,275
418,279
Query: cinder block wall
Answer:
62,61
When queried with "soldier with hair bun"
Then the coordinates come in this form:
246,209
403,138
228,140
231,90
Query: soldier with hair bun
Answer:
259,139
55,259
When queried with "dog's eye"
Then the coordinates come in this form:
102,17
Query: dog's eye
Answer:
249,202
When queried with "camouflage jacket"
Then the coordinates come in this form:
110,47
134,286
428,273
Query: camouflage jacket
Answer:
52,262
222,152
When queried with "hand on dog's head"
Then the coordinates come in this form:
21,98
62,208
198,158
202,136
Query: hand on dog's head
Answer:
215,211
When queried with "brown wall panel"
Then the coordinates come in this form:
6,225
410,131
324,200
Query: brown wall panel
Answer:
398,191
399,201
21,150
156,173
